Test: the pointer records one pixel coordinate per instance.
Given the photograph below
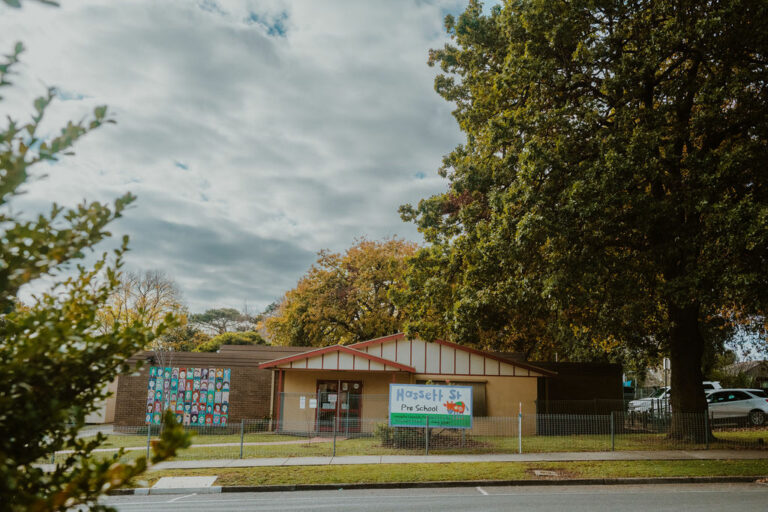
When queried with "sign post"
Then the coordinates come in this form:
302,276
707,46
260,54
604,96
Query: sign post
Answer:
422,405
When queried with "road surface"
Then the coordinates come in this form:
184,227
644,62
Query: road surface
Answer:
613,498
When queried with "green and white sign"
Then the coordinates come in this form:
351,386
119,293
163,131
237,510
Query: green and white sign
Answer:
421,405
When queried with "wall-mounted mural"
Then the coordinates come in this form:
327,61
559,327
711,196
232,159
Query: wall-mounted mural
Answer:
198,396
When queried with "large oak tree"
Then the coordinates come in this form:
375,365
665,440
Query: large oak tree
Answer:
612,188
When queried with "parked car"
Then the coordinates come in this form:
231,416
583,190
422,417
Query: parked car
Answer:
742,405
659,401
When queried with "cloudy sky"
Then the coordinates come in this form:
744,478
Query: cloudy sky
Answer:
254,133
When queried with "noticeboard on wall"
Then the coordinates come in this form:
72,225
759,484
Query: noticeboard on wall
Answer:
421,405
198,396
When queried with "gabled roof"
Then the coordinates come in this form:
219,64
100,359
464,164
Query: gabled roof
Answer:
323,353
489,355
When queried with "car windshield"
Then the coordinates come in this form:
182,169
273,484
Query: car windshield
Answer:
658,393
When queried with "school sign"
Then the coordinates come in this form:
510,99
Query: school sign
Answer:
421,405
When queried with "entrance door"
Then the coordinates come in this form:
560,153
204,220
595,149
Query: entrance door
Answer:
339,406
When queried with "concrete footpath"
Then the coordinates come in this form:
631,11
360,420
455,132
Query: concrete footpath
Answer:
442,459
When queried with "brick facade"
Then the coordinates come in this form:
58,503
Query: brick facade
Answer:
250,387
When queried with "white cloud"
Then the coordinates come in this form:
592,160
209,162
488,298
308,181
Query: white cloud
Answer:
254,133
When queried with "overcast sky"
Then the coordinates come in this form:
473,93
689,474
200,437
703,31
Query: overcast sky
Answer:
254,133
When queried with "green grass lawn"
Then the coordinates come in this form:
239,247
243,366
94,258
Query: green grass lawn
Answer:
737,438
128,440
466,471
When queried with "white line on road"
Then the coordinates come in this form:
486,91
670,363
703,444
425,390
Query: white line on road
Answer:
481,491
181,497
431,496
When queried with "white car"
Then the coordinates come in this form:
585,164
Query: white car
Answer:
659,400
749,405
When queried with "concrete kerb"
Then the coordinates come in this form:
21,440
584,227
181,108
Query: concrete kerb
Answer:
441,459
427,485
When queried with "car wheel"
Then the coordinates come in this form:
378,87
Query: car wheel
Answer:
756,418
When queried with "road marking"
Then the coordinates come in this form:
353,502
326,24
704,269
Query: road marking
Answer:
181,497
481,491
431,496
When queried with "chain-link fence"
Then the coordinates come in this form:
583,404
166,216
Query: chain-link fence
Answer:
319,426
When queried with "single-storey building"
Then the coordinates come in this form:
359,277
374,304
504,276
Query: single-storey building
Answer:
345,387
351,383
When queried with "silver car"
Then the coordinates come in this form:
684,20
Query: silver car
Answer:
750,405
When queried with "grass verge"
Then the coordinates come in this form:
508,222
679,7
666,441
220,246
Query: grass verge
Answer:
380,473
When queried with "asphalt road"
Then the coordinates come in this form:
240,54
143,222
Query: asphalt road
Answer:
613,498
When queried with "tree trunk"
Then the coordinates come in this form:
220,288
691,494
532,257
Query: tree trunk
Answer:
688,402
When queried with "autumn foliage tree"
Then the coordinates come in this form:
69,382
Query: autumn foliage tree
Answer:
345,298
612,186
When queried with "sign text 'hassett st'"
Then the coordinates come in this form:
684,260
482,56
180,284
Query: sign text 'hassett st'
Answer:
419,405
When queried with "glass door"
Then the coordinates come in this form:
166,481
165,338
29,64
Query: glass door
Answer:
350,407
339,406
327,404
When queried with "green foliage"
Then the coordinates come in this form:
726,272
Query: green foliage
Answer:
231,338
611,193
224,320
345,298
185,338
54,358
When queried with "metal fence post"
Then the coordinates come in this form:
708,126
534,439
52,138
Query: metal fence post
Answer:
242,436
613,433
426,435
149,436
706,429
334,436
520,429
